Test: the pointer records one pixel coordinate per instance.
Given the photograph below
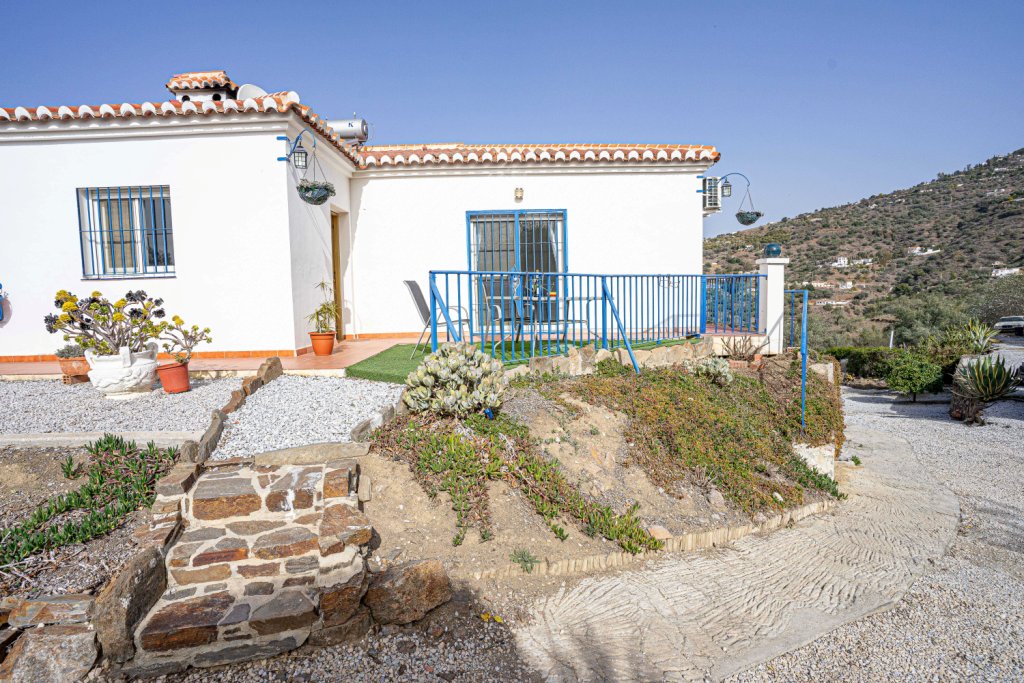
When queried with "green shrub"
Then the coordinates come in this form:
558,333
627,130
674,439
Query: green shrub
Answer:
984,379
913,374
457,379
872,362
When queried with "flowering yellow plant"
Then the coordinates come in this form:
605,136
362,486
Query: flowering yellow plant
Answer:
104,327
180,339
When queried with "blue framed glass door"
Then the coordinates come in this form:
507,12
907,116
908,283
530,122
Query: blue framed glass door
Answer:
511,251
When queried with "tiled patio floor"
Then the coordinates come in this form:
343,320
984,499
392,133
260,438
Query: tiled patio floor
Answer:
346,353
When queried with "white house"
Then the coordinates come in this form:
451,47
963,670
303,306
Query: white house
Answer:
187,199
1004,272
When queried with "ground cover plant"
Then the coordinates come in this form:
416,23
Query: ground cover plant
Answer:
737,435
121,478
459,456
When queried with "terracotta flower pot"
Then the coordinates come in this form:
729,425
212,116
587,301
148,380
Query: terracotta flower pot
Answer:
174,377
74,367
323,343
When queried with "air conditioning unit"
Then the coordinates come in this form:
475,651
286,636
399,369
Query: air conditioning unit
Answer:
712,194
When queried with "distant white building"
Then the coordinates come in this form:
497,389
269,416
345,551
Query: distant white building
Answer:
862,262
831,302
923,251
841,262
1003,272
846,285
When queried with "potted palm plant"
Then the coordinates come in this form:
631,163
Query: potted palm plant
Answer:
323,319
117,336
73,365
179,341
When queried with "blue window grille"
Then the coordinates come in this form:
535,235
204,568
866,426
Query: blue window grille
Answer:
126,231
505,248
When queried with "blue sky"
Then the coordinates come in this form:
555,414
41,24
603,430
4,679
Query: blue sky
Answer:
819,103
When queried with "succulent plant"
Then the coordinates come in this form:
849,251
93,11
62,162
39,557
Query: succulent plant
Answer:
457,379
984,379
715,369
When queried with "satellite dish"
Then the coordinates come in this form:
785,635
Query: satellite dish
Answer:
250,91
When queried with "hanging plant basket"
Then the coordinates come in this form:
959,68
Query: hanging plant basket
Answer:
315,192
748,217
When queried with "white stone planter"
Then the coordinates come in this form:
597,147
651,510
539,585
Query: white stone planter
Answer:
126,375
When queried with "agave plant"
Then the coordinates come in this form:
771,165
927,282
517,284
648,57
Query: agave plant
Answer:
984,379
974,336
457,379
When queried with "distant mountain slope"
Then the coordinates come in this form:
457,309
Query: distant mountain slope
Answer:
964,225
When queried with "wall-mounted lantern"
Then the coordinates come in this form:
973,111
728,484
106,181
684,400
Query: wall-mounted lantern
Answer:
300,159
726,188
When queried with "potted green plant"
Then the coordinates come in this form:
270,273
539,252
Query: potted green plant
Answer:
73,364
179,340
315,192
323,319
117,336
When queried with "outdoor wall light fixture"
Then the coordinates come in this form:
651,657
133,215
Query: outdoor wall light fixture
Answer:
726,188
300,159
297,154
519,194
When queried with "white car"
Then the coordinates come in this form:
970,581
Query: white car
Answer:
1011,323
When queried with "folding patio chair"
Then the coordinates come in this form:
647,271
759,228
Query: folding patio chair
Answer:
424,310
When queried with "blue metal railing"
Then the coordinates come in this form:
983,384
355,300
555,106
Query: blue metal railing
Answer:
516,315
799,307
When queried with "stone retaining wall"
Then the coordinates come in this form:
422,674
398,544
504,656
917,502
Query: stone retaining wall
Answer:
583,360
60,638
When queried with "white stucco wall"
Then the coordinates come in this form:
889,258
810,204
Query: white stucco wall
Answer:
310,226
230,216
248,251
626,219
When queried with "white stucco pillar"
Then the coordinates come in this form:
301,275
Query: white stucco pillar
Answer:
772,301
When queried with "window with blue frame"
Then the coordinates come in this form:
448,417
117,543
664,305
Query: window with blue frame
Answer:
126,231
515,244
528,241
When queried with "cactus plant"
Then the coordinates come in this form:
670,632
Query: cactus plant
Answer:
457,379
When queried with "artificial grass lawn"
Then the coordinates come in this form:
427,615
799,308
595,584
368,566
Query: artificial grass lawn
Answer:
394,365
390,365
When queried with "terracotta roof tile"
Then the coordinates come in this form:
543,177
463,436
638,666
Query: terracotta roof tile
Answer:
459,153
279,103
195,80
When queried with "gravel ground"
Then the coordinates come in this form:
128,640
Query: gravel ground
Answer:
49,406
463,649
965,619
295,411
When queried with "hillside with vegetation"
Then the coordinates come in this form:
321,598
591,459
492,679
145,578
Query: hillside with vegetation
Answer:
920,257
